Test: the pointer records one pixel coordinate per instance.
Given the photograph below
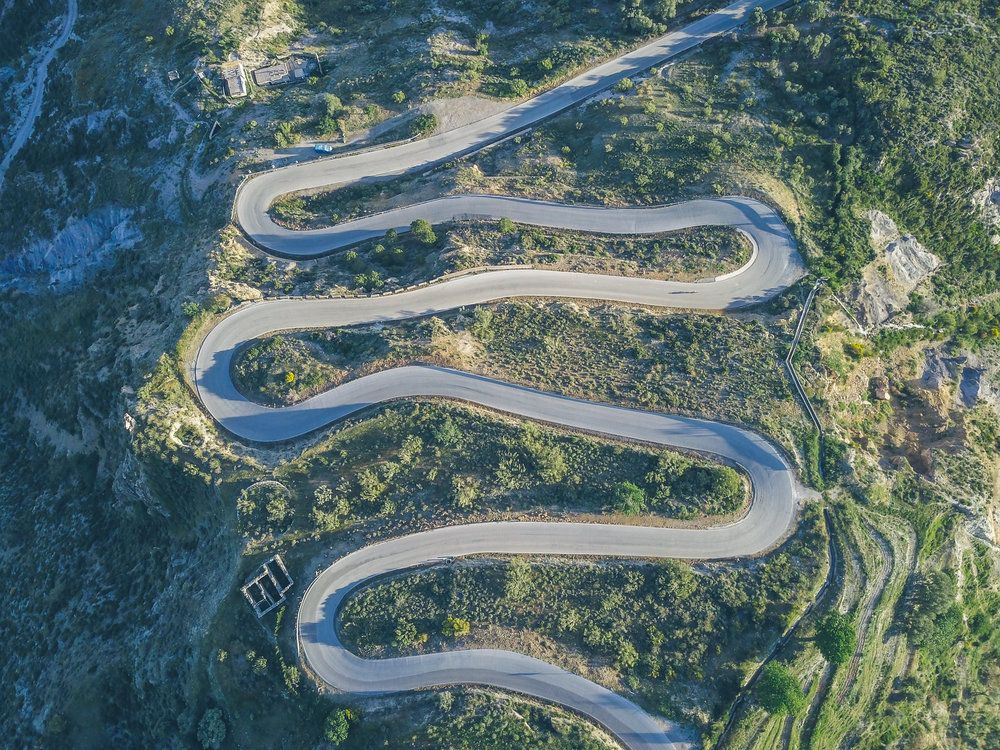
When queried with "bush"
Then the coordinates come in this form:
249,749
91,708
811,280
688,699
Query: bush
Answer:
212,729
338,727
835,638
465,490
285,135
278,509
518,88
424,125
290,208
506,226
779,692
455,627
630,499
422,230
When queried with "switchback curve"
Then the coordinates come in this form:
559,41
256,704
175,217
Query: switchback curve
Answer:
774,265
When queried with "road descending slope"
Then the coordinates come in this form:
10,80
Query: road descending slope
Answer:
773,266
23,129
256,195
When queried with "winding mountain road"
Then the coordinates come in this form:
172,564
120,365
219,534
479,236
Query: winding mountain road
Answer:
773,266
22,132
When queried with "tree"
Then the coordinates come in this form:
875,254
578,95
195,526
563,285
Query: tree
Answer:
285,135
338,727
925,615
506,226
292,677
331,109
455,627
422,230
778,691
835,638
212,729
627,657
630,499
447,433
727,487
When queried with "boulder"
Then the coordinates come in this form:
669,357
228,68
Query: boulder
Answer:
879,388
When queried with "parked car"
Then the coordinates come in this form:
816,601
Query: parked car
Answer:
323,148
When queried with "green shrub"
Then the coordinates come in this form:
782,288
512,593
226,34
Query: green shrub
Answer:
285,135
518,88
465,490
630,499
422,230
779,692
338,727
212,729
835,638
455,627
424,124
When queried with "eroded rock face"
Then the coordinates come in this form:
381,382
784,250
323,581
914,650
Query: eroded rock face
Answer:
81,248
975,375
910,262
130,486
901,266
883,229
980,376
937,370
972,387
987,202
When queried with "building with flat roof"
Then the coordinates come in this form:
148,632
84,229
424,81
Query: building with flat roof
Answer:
234,80
272,75
290,70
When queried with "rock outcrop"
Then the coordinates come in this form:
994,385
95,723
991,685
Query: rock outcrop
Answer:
987,201
974,375
81,248
901,266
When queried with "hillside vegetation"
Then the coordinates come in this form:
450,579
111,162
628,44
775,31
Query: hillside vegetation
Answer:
128,519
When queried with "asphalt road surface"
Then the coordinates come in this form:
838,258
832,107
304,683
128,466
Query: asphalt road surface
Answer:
257,194
773,266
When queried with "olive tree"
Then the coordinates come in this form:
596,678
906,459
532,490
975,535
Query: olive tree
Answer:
835,638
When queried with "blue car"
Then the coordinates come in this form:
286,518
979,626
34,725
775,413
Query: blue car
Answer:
323,148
